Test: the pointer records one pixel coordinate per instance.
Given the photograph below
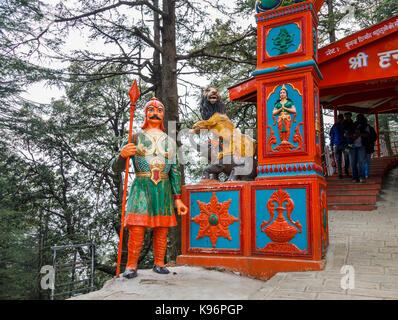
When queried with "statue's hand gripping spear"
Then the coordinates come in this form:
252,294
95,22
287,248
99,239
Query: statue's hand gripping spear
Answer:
134,94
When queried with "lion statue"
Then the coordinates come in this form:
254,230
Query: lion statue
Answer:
211,103
236,152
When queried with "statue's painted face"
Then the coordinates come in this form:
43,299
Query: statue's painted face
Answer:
155,114
283,94
212,95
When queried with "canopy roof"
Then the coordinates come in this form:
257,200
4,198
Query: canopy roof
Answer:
360,72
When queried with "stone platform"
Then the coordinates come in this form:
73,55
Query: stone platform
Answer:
364,240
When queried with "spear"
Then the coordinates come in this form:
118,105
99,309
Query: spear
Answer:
134,94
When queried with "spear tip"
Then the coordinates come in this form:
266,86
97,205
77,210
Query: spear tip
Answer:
134,93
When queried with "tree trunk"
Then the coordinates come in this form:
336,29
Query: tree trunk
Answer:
331,22
156,54
170,97
169,63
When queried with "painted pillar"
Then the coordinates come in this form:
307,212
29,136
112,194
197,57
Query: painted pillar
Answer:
278,222
335,114
290,182
377,132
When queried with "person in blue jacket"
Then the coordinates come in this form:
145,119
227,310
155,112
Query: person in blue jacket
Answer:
338,143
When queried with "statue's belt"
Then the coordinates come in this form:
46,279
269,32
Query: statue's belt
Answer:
155,176
148,174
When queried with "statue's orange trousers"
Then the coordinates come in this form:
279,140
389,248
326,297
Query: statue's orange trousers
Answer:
136,238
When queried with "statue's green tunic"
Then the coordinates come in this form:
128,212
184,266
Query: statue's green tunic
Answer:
148,204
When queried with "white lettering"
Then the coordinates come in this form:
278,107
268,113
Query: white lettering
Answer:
361,60
364,37
330,51
172,310
385,58
351,43
348,280
47,281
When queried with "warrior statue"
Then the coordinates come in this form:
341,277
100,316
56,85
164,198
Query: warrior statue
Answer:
156,184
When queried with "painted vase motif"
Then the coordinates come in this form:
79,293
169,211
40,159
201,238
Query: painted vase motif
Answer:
280,231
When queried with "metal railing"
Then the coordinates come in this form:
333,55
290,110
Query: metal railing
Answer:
73,266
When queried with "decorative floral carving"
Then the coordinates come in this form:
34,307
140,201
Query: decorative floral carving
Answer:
271,139
297,138
214,219
285,146
324,215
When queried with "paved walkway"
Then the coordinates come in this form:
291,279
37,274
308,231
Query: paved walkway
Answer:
366,242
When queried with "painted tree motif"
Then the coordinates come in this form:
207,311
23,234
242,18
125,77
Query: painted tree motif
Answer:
283,41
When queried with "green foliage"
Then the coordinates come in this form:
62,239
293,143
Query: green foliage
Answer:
368,14
66,149
18,257
56,186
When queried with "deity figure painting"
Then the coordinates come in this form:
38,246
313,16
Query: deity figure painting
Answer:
284,108
281,119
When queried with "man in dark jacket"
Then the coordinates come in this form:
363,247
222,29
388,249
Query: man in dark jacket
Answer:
356,136
338,143
369,143
347,123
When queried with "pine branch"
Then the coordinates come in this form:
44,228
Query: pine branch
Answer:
202,51
113,6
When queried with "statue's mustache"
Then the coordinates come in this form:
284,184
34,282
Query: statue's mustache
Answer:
155,117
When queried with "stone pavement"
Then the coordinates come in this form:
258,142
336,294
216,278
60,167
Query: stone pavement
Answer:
366,242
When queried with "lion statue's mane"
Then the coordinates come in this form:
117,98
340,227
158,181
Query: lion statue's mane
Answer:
211,103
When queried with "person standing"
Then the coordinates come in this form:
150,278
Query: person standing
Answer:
356,136
369,143
347,123
338,143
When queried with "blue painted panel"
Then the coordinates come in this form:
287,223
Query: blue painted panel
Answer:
299,213
222,243
297,100
283,40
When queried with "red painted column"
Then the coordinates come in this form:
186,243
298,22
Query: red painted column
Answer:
289,146
377,132
277,223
